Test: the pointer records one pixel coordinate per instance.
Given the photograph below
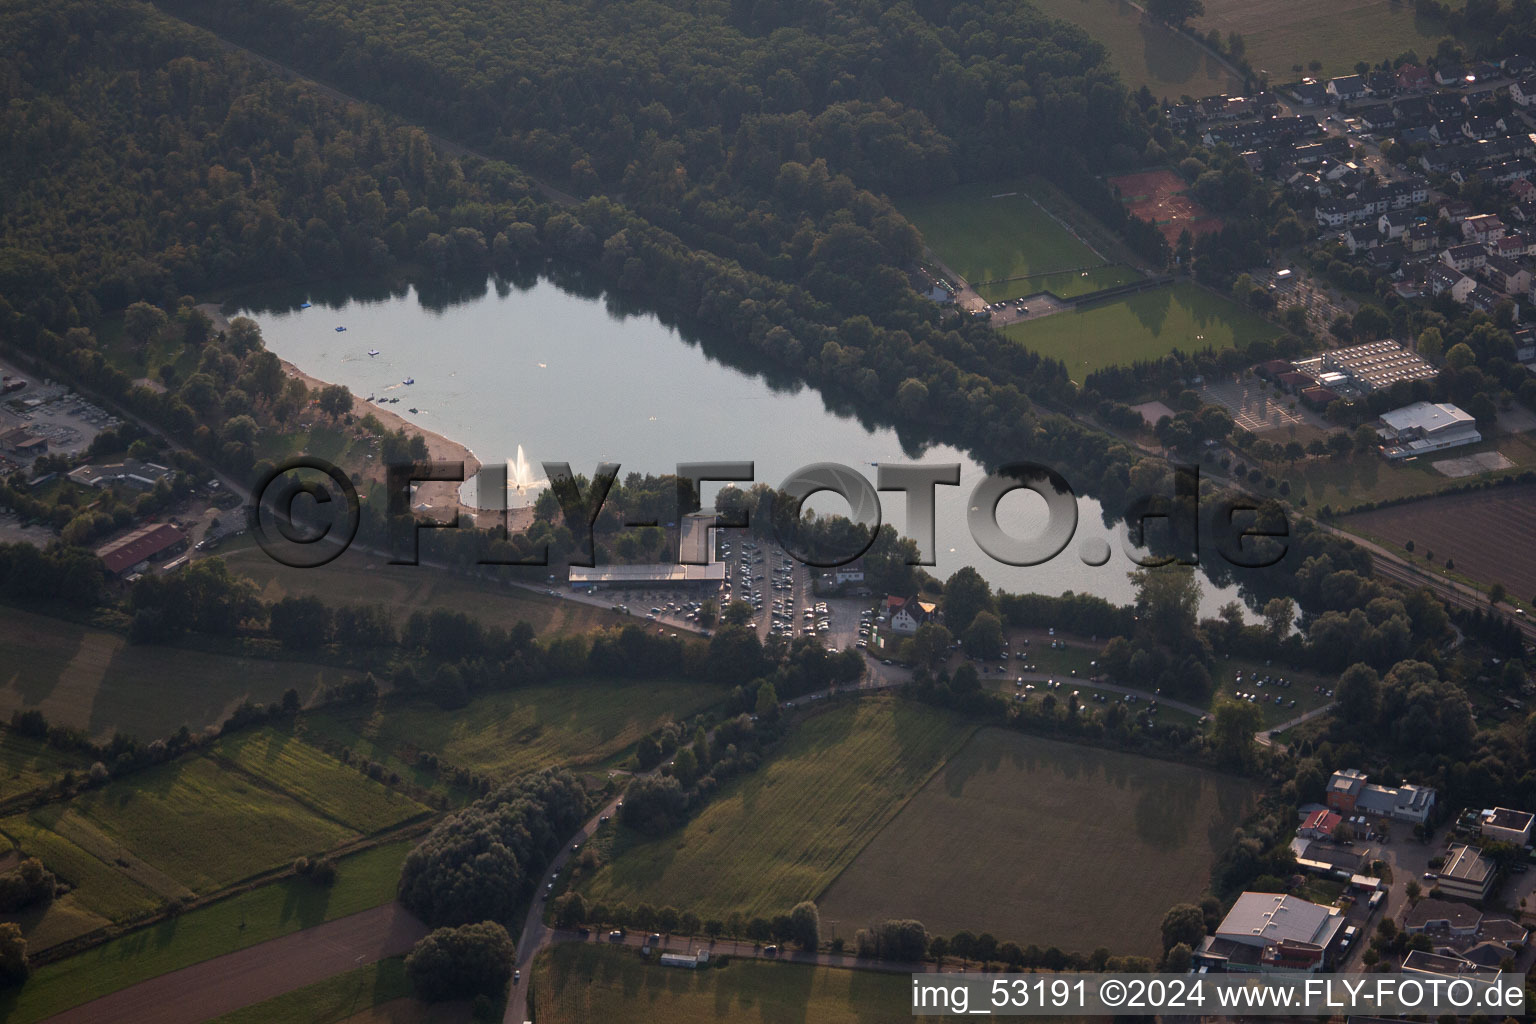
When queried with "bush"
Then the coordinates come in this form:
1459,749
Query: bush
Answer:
458,963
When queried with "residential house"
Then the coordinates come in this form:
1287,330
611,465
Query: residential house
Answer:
1450,74
1347,88
910,613
1517,67
1441,279
1525,341
1447,130
1506,275
1413,78
1523,91
1420,238
1320,824
1482,228
1361,237
1394,223
1522,189
1455,210
1349,792
1307,92
1381,83
1486,300
1513,245
1464,258
1484,71
1484,126
1375,117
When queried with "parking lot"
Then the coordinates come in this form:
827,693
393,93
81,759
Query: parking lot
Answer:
1257,407
55,413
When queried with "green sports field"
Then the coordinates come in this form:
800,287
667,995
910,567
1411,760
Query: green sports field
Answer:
1145,326
582,984
1038,841
994,232
782,833
1147,53
1066,285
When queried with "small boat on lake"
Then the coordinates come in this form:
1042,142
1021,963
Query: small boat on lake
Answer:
373,351
409,380
340,329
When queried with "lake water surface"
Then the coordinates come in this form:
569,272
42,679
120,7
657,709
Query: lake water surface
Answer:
572,378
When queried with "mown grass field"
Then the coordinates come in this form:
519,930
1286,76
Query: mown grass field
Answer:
1278,35
1038,841
781,834
344,998
1147,53
582,984
1066,285
576,722
317,780
95,680
358,577
27,764
1145,326
994,232
363,880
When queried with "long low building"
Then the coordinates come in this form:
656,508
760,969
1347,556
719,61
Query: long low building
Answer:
1267,931
1425,427
1349,792
128,553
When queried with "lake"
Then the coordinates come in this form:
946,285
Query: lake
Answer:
578,378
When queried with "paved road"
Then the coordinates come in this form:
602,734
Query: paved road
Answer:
1267,737
228,983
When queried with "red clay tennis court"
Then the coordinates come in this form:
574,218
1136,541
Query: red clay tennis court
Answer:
1160,197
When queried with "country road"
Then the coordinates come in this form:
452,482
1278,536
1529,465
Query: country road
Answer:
228,983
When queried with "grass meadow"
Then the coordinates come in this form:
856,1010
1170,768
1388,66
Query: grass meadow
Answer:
1278,35
95,680
781,834
1067,285
574,722
27,764
358,577
580,984
1145,52
1039,841
363,880
1145,326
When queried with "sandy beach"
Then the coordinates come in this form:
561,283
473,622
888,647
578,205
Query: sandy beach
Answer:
441,497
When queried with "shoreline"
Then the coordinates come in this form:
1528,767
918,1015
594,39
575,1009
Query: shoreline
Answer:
442,497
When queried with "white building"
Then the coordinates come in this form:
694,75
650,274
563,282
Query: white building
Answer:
1506,826
1425,427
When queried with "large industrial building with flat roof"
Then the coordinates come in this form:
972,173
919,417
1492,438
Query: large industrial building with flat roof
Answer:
1425,427
698,567
1267,931
1466,873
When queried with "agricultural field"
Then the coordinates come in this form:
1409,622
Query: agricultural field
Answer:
363,880
358,577
194,826
1486,533
1038,841
1145,52
95,680
783,833
27,764
1277,35
379,993
580,984
316,780
1142,327
574,722
995,233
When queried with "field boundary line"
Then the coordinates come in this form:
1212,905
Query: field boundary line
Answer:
970,734
270,786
